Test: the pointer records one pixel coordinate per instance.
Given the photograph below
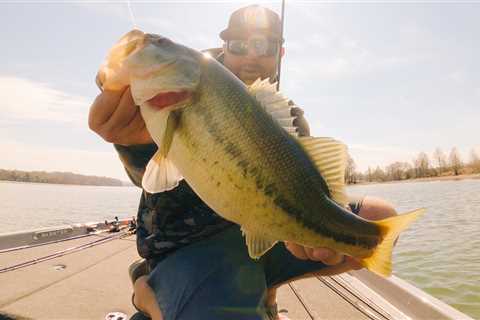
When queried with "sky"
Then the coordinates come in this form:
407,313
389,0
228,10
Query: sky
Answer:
389,79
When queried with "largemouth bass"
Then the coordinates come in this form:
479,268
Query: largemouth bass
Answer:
235,146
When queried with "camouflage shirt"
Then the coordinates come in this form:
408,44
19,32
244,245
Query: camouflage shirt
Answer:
170,220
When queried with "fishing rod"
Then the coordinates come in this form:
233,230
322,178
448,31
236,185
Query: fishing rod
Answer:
279,58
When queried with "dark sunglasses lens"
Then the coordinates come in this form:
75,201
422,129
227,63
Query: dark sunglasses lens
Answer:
272,49
262,47
238,47
265,48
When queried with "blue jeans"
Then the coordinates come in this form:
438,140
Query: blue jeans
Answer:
215,279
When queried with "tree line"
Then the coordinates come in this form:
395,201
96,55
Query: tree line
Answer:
57,177
422,166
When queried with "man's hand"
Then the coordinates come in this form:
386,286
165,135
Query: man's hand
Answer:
115,117
371,209
324,255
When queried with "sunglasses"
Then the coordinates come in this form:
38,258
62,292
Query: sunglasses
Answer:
261,47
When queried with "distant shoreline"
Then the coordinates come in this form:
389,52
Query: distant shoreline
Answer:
58,177
70,184
427,179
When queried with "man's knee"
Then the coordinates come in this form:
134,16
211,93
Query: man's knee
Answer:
376,209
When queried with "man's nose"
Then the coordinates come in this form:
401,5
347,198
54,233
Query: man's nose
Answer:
252,53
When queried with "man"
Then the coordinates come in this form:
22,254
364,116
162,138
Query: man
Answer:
198,262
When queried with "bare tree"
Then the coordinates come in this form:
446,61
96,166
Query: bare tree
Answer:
369,174
440,160
422,165
474,161
350,170
379,175
455,161
397,170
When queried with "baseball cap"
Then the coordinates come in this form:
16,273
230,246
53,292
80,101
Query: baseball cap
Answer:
254,18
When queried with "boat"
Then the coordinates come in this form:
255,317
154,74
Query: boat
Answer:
79,271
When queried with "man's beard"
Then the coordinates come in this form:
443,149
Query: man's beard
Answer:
250,72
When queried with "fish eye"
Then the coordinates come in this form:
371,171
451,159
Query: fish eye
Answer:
164,41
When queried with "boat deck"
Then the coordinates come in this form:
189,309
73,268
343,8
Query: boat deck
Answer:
93,281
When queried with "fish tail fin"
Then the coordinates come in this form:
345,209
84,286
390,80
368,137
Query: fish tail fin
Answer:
380,261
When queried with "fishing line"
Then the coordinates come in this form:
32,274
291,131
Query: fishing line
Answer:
132,18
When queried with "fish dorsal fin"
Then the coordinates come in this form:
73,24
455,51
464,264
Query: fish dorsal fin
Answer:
274,102
257,244
330,157
161,174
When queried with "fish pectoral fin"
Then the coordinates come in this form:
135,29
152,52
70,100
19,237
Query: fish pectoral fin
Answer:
274,102
170,127
257,244
330,157
380,261
161,174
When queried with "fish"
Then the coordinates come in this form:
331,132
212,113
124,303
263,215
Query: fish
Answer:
237,148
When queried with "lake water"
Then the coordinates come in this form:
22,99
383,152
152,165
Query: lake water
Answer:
440,253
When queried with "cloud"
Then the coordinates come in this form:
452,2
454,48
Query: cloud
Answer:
26,100
28,106
44,158
458,77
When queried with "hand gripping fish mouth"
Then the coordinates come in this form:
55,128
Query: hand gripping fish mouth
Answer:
237,148
161,73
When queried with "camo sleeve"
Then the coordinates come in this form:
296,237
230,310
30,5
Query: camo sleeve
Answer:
299,122
135,159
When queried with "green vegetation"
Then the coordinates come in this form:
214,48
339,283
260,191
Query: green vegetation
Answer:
57,177
421,167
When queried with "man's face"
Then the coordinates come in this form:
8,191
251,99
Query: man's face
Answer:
250,66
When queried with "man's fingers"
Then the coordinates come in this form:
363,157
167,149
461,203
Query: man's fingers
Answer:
324,255
355,264
297,250
334,259
116,118
137,130
321,254
309,253
124,113
103,107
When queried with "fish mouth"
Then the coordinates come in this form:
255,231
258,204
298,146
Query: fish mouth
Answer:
169,99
